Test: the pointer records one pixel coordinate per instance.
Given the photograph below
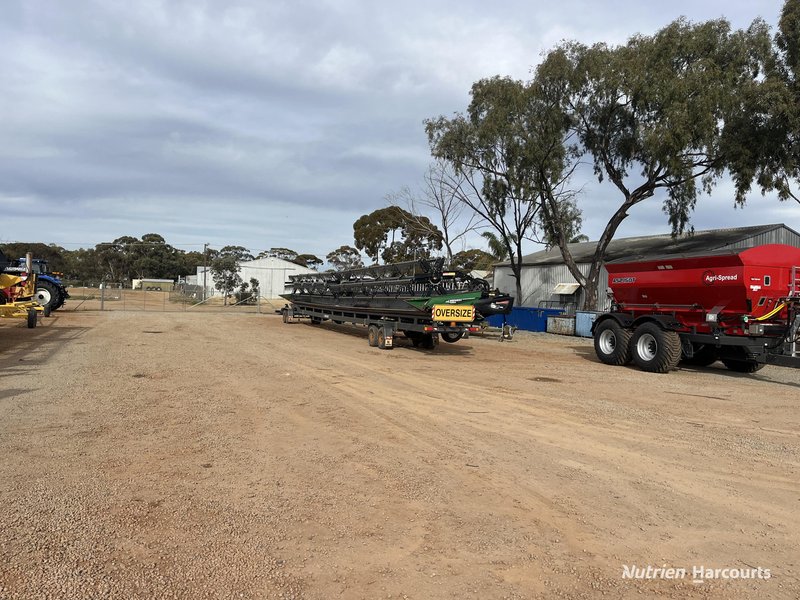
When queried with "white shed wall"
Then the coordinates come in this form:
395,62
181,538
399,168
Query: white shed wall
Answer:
271,273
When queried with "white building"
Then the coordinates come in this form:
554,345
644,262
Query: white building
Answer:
271,274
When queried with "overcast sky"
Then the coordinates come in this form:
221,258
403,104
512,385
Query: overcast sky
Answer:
274,123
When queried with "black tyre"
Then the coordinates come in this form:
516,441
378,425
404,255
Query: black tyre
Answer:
62,298
316,320
452,337
429,341
31,318
703,357
47,294
382,339
372,336
612,343
742,366
47,310
655,350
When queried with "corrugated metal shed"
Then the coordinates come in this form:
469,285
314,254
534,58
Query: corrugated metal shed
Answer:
543,271
271,273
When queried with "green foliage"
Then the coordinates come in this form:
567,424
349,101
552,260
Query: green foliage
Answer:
766,149
345,257
225,273
470,260
282,253
659,113
56,256
497,247
240,253
395,235
308,260
505,148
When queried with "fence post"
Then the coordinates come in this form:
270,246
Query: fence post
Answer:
102,296
258,303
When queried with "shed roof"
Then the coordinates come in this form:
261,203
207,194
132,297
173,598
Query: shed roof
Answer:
649,245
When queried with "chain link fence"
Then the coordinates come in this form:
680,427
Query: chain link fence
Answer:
105,297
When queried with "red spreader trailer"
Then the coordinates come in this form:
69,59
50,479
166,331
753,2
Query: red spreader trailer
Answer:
740,306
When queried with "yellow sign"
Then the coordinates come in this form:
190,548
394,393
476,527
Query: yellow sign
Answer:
456,313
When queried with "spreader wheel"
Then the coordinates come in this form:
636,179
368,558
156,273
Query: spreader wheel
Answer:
705,356
32,318
612,343
654,349
742,366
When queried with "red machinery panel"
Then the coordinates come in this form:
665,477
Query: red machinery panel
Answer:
733,283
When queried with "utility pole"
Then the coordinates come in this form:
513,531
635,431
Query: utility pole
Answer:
205,269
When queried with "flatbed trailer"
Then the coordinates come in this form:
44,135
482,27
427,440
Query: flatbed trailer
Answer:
383,325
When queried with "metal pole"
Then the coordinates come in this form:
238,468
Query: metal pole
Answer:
205,269
102,296
258,302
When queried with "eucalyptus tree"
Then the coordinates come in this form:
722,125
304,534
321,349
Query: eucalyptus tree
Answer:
662,116
499,150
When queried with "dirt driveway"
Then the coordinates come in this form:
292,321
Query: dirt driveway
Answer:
147,455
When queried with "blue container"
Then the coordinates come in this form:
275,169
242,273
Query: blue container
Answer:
526,318
583,322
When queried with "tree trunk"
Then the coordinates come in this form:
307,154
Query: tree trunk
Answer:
516,269
590,293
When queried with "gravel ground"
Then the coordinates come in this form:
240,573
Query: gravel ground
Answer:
152,455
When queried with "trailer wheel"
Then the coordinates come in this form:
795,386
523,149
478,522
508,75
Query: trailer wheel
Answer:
703,357
31,318
655,350
429,341
372,335
612,343
742,366
382,339
452,337
316,320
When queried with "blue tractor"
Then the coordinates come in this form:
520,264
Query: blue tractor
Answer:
50,291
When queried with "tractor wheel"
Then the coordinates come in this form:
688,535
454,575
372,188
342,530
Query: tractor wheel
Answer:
452,337
372,335
703,357
62,298
654,349
47,294
612,343
742,366
31,318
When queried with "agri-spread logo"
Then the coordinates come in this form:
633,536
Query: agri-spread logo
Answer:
710,278
623,280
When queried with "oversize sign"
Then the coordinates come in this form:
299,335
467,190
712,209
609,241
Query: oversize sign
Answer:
459,313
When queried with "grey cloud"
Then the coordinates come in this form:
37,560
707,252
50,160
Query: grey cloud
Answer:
260,123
